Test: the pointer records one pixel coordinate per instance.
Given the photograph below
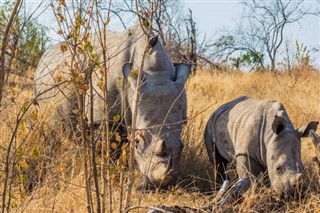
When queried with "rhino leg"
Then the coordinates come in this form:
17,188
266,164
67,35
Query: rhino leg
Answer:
220,163
236,190
246,166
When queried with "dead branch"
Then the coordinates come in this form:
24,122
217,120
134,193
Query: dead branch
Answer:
226,194
14,14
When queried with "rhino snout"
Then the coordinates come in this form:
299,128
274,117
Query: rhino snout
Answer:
288,181
162,173
296,180
292,185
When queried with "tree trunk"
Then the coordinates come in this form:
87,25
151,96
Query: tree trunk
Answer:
272,65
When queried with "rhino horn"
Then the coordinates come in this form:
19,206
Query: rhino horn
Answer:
160,147
161,173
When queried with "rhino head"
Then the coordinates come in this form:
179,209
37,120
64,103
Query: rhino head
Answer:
161,109
285,168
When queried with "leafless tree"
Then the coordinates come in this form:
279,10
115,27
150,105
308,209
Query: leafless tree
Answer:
270,19
262,29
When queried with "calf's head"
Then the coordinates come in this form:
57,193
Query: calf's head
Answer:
284,163
161,109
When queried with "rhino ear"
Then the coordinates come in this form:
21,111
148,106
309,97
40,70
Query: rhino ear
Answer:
182,73
278,125
126,70
153,41
315,138
305,130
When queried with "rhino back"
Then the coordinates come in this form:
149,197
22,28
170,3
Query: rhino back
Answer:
216,133
244,127
56,64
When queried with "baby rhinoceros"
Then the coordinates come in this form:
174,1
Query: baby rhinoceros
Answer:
259,136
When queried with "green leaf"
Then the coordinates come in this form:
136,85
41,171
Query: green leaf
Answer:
24,107
35,152
20,151
116,118
89,47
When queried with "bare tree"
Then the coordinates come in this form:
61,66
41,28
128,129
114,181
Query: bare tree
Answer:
270,19
262,31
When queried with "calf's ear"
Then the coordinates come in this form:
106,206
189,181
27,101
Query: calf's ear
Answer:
315,138
305,130
182,73
278,125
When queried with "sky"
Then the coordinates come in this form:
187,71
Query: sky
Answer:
212,16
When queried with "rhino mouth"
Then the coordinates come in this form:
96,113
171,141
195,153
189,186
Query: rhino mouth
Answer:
294,192
294,189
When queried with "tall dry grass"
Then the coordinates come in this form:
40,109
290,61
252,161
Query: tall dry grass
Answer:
50,179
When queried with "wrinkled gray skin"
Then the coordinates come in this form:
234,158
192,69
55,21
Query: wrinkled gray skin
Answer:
259,135
161,105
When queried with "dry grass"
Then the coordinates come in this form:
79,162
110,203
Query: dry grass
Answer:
60,174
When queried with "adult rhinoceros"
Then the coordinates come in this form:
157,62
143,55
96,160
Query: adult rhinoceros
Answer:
161,105
259,136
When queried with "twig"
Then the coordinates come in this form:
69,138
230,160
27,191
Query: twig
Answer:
5,38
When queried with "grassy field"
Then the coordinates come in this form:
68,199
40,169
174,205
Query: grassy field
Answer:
61,177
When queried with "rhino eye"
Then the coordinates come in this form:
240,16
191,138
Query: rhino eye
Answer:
280,170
